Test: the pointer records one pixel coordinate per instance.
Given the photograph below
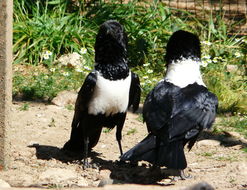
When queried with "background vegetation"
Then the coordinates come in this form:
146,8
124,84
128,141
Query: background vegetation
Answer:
54,40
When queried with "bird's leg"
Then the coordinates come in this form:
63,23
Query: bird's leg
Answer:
180,175
85,161
155,164
183,176
119,138
157,146
119,132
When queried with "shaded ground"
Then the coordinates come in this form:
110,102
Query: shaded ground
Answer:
38,133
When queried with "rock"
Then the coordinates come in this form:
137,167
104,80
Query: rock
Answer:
231,68
105,173
241,169
208,142
70,60
200,186
82,182
232,134
4,184
57,175
109,181
105,181
64,98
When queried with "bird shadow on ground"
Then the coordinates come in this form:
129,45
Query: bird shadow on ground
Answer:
225,139
133,173
46,152
119,172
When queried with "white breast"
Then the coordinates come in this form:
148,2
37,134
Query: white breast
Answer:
110,97
184,72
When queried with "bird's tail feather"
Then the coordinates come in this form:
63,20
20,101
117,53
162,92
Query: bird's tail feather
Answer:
170,154
76,142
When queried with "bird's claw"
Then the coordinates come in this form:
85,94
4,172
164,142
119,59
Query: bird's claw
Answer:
181,176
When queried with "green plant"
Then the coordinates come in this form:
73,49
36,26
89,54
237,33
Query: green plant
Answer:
244,149
207,154
41,27
131,131
70,107
226,158
24,107
106,130
233,123
45,84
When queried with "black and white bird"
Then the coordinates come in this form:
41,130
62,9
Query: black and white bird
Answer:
177,109
107,92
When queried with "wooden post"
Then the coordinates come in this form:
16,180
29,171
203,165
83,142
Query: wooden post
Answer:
6,10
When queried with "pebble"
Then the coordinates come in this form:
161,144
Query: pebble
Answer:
82,182
231,68
4,184
200,186
242,169
208,142
109,181
57,175
65,97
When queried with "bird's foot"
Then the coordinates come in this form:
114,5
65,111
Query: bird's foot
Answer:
184,176
181,176
87,165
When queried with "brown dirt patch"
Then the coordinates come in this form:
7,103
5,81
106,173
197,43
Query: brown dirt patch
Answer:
38,133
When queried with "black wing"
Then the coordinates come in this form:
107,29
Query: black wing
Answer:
194,109
157,106
83,98
179,113
135,92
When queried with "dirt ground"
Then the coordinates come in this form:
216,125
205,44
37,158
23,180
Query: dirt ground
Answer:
39,131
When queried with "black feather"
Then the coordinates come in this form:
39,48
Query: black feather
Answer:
175,116
111,64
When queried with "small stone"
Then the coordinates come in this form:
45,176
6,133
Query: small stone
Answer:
4,184
237,147
105,173
82,182
232,134
242,169
200,186
106,181
231,68
109,181
208,143
57,175
64,98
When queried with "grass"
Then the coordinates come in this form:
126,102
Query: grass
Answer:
24,107
69,107
131,131
244,149
237,123
107,130
207,154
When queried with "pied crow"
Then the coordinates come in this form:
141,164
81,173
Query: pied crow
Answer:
106,93
177,109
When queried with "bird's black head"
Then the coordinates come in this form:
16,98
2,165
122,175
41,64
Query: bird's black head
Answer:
181,45
111,43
